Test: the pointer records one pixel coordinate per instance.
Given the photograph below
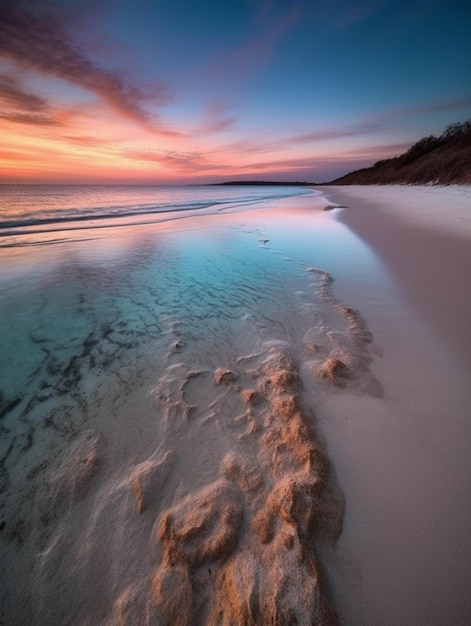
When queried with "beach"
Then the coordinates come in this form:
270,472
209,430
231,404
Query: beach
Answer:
255,412
423,235
405,541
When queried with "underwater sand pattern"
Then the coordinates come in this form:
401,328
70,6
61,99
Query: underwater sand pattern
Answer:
180,452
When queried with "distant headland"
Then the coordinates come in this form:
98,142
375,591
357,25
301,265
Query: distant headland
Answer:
267,182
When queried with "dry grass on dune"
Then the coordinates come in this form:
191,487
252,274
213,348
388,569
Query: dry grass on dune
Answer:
441,160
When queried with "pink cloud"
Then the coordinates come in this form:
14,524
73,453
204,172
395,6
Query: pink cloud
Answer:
181,161
23,107
355,130
38,41
216,119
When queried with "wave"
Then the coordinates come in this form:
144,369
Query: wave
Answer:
29,211
77,218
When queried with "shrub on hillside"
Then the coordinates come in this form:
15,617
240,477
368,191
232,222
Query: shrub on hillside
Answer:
421,147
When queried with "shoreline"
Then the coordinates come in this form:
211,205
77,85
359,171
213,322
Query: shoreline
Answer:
402,461
173,370
189,329
424,257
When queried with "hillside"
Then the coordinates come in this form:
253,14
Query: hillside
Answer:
441,160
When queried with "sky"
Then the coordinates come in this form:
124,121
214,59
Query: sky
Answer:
197,91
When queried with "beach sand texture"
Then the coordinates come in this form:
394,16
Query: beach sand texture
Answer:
161,465
176,448
404,462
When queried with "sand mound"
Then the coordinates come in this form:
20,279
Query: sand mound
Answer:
343,354
241,550
147,478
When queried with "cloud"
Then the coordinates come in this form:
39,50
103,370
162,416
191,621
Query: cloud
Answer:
216,119
433,107
35,119
187,162
312,164
12,93
24,107
377,123
217,125
86,140
39,41
373,152
355,130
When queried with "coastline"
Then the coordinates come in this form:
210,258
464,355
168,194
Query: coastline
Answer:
221,299
165,366
403,460
429,254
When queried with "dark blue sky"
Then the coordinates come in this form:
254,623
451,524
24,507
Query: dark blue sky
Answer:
182,91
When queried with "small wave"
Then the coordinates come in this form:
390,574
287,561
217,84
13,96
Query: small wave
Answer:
73,218
80,208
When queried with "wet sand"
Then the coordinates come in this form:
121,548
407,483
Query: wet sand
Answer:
403,462
160,462
235,418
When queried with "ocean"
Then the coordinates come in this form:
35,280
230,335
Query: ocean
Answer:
164,351
28,209
220,405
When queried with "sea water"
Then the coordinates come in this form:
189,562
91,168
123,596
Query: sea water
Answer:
149,352
57,208
142,330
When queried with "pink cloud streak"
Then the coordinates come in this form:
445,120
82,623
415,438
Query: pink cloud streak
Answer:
39,42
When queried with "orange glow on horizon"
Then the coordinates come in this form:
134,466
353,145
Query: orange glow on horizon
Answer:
97,145
94,143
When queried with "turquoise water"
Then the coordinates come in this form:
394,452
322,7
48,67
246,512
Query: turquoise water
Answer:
101,336
111,332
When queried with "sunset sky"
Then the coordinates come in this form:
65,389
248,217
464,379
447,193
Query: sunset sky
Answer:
181,91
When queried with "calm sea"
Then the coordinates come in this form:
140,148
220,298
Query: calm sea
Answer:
26,209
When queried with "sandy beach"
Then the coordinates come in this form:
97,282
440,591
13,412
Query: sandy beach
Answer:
423,234
258,413
155,418
405,459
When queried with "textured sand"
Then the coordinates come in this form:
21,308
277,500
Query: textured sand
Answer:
161,464
192,416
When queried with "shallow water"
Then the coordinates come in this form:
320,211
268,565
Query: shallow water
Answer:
134,375
50,211
135,381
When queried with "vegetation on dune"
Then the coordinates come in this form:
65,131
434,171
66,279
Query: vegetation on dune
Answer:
440,160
